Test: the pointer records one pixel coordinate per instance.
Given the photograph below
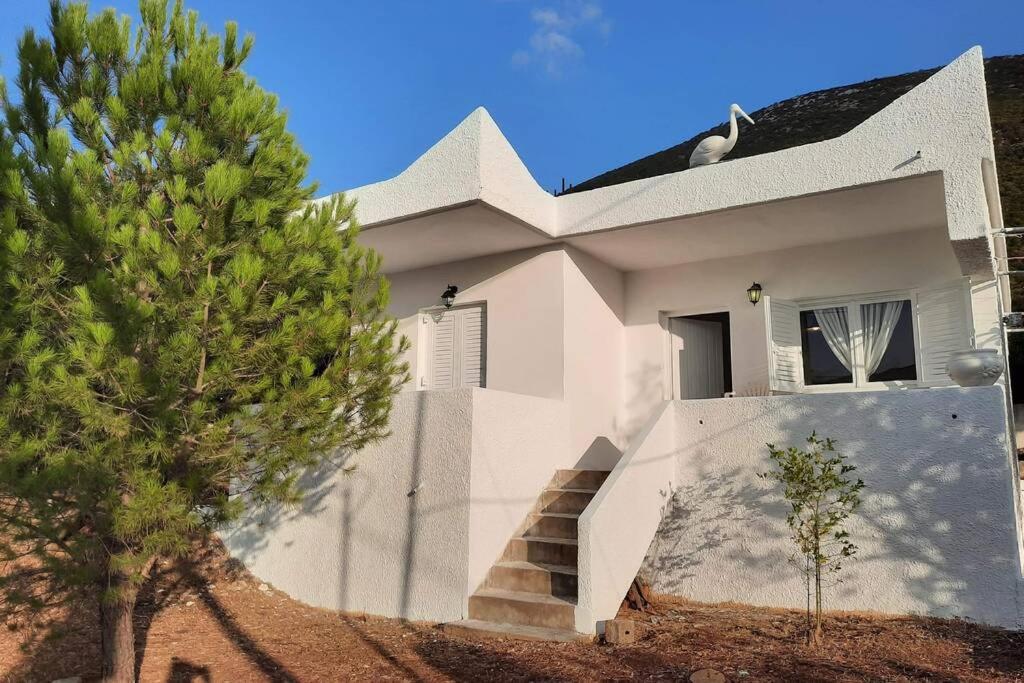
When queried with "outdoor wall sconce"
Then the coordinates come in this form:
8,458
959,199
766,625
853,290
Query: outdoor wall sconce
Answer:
754,293
448,297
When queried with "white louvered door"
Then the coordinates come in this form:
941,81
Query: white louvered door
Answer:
785,360
697,359
458,348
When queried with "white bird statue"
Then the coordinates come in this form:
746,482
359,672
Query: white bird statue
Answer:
711,149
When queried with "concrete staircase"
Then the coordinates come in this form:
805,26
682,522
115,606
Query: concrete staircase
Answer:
530,593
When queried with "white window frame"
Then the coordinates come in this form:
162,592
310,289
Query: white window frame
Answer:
853,303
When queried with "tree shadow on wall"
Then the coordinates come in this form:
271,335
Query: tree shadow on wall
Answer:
697,522
248,537
942,515
936,526
333,488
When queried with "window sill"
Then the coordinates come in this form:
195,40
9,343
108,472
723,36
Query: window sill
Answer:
872,386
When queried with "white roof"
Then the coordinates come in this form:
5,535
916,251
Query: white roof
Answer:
945,118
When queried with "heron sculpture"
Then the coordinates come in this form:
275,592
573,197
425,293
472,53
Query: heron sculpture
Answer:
711,149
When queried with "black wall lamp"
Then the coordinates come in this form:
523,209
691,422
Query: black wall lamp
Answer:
448,297
754,293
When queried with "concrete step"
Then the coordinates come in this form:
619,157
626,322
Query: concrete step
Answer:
524,609
533,577
579,479
570,501
561,551
473,628
552,525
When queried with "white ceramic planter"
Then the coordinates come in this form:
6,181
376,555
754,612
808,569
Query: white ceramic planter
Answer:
975,367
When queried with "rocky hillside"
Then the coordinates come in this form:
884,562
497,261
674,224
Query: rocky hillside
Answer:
1005,77
829,113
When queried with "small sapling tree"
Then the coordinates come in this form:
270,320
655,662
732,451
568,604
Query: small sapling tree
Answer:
179,324
821,495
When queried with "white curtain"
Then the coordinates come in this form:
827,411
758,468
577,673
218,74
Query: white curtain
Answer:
836,329
879,322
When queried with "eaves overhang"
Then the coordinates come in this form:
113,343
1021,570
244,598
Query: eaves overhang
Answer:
939,127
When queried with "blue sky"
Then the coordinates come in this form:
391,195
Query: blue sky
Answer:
577,86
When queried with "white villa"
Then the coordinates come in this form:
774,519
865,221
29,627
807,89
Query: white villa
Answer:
597,399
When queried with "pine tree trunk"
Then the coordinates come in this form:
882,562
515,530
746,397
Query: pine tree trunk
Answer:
117,635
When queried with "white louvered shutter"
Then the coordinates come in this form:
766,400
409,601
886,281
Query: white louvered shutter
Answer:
942,324
458,348
442,352
471,347
785,360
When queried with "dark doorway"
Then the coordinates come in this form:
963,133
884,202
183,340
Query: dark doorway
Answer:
701,355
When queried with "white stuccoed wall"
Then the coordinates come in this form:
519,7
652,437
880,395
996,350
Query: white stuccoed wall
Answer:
523,292
890,262
518,443
537,299
411,530
364,541
554,330
937,530
564,325
594,358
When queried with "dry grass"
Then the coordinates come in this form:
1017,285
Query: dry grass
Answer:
208,621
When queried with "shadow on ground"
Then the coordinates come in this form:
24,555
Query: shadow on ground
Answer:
235,631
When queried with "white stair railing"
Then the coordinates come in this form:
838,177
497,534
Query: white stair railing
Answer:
616,529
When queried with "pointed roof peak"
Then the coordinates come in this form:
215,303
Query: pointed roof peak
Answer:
476,120
482,112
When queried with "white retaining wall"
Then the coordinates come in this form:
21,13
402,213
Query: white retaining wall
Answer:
409,526
937,529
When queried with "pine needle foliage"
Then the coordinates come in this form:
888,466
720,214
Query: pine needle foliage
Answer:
179,323
821,498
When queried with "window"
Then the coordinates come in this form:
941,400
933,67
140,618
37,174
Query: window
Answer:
896,358
822,364
457,351
870,341
858,343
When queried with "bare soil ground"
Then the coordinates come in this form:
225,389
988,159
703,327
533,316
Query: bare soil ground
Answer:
205,620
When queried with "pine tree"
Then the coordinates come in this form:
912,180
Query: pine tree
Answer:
183,331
